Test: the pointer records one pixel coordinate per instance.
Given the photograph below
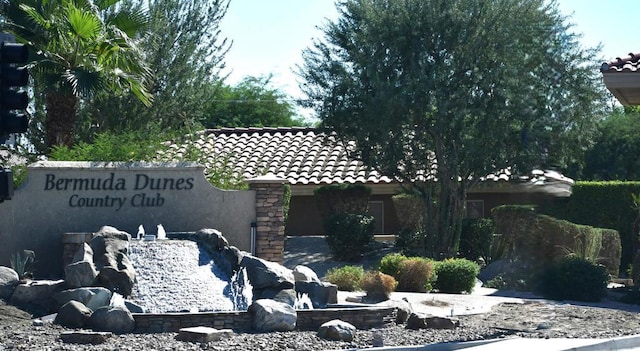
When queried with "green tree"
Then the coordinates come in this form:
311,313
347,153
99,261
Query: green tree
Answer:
452,90
82,49
185,51
616,153
251,103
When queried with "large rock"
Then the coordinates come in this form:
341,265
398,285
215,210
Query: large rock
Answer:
79,274
73,314
108,240
93,298
9,279
228,259
304,274
84,337
212,238
202,334
269,316
287,296
320,293
83,253
264,274
36,292
118,274
337,330
403,309
112,319
425,321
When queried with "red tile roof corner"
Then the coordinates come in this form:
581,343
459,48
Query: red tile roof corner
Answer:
628,63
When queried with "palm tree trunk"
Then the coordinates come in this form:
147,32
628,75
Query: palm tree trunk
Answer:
61,115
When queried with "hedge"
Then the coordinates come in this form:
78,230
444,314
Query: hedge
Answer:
543,240
604,205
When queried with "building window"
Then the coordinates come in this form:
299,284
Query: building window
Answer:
474,208
376,209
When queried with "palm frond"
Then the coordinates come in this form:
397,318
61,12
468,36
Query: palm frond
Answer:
130,22
83,24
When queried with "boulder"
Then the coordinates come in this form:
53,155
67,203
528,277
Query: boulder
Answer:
133,307
84,253
84,337
112,319
269,316
93,298
337,330
435,322
287,296
417,321
9,279
212,238
36,292
320,293
424,321
108,240
228,259
304,274
264,274
80,273
118,274
202,334
73,314
403,309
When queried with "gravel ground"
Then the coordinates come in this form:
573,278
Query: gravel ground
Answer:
533,319
529,320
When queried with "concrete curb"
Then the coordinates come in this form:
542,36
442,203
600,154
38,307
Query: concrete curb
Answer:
630,342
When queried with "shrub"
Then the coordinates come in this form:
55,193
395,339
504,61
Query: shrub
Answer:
22,262
378,285
390,264
456,275
410,241
574,278
414,274
349,235
475,239
347,278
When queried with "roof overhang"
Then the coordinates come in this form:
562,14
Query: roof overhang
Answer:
625,86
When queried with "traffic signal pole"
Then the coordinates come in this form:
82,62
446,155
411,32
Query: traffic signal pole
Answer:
14,100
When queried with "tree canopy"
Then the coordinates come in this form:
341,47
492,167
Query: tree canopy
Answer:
185,50
616,153
250,103
82,49
453,90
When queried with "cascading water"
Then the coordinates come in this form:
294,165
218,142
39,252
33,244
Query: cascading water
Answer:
178,276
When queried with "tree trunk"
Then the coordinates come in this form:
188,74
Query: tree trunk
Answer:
61,116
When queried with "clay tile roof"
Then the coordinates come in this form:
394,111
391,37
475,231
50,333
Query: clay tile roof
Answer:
625,64
298,154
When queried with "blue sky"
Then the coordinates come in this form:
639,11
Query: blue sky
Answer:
269,35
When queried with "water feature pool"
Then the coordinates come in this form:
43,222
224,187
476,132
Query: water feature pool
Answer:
178,276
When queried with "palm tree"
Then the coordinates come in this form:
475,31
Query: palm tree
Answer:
83,48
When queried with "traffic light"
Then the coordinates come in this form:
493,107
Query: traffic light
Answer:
13,100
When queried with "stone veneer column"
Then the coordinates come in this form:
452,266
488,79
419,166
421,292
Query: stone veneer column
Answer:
269,243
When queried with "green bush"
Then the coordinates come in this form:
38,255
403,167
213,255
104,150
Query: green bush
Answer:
603,205
415,274
390,264
456,275
349,235
378,285
475,239
410,241
347,278
574,278
542,240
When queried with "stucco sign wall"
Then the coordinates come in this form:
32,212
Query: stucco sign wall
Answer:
62,197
